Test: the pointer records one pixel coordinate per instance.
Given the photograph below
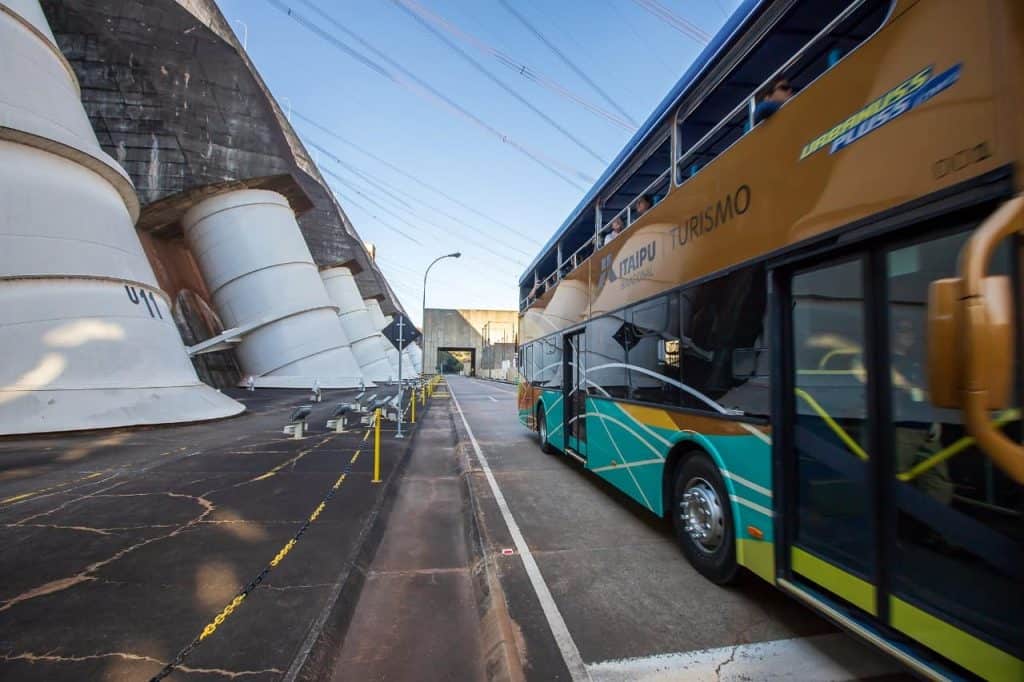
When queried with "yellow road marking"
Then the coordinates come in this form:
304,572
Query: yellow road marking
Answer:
33,493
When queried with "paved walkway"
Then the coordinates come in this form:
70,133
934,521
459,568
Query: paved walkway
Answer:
417,617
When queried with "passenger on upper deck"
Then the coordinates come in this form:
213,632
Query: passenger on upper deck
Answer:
616,230
771,97
643,205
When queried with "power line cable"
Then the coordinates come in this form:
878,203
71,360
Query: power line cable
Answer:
443,230
348,200
353,202
501,84
565,60
679,23
624,18
419,87
406,174
393,193
513,64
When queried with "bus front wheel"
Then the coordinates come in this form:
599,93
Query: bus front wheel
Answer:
542,433
703,521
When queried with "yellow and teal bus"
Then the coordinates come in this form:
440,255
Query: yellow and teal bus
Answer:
804,346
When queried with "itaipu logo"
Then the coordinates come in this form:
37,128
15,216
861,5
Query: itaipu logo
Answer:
607,271
911,93
636,265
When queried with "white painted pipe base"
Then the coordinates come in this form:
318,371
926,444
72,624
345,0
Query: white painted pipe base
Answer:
380,322
87,336
93,354
256,262
368,344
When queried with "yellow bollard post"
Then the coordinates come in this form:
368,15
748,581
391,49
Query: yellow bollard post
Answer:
376,446
412,407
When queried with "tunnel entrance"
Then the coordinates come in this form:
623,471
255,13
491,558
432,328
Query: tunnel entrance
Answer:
456,361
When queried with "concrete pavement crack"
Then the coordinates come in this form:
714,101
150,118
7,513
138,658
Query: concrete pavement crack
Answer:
68,503
54,658
56,526
85,575
732,657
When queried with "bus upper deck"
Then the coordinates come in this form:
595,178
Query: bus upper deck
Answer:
854,80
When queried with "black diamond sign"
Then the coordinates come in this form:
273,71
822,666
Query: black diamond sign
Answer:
409,333
628,335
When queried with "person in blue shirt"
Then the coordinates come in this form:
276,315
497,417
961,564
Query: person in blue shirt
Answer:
771,97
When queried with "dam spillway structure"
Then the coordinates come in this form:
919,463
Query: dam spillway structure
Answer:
368,344
264,283
380,322
88,336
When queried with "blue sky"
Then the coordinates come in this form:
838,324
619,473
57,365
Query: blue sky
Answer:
632,55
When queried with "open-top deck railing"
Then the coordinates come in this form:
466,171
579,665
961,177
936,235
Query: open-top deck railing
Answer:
742,115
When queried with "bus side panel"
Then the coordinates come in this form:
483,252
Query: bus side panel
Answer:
746,465
554,416
626,452
627,445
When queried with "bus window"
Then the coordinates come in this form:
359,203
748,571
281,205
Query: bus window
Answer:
527,364
722,348
605,361
653,354
650,179
959,531
549,374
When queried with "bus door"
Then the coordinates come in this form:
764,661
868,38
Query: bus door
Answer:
575,393
888,506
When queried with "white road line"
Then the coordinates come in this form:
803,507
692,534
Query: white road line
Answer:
560,631
829,658
493,398
498,387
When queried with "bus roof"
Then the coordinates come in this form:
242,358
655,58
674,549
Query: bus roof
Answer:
733,27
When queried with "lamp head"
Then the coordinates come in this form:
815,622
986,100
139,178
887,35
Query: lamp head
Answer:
455,255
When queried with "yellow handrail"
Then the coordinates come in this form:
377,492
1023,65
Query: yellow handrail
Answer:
954,449
853,445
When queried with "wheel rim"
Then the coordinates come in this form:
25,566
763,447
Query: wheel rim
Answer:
700,510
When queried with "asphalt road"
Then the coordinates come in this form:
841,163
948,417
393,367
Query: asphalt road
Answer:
121,547
597,588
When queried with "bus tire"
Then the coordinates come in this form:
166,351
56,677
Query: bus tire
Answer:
542,433
702,519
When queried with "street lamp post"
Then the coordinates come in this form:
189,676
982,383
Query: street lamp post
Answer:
423,310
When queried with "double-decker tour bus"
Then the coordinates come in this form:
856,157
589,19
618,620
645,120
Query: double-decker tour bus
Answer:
803,347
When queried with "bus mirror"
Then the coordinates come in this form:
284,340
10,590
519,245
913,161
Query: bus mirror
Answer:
991,339
945,370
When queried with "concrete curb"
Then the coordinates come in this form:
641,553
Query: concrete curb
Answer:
315,658
498,634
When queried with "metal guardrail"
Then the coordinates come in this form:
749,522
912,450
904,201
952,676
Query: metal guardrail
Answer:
744,106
